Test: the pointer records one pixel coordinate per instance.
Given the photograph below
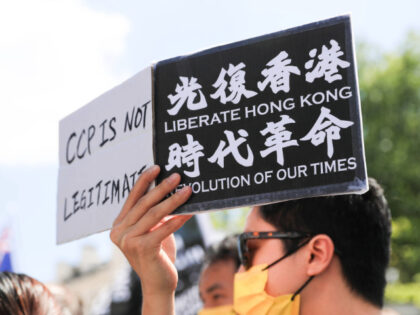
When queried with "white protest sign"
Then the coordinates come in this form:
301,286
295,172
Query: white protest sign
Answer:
103,149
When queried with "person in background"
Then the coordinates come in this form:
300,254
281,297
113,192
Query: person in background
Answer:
23,295
323,255
216,281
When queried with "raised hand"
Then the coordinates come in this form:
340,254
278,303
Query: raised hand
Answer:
144,233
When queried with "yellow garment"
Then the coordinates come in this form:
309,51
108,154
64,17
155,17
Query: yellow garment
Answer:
219,310
250,297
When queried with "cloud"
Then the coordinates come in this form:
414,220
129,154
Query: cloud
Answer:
55,56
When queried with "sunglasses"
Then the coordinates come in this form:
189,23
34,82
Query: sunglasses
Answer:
245,253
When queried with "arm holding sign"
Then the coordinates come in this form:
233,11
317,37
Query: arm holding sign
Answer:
144,233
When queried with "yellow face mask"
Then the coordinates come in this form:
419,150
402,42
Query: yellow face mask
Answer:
250,297
219,310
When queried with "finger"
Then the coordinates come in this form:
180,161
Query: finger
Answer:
166,229
143,244
135,225
138,191
157,214
152,198
166,218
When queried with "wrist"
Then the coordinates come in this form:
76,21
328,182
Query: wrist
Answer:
159,304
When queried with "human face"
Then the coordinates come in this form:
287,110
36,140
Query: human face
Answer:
284,277
216,284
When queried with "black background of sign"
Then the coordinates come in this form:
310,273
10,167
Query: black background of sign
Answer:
256,53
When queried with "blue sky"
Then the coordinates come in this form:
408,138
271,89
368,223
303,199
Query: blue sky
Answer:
55,56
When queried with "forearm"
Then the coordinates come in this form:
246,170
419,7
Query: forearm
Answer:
159,304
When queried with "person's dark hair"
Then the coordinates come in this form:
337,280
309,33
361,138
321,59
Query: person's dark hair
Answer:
69,302
224,250
23,295
359,226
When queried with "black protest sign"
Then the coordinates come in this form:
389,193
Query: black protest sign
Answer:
272,118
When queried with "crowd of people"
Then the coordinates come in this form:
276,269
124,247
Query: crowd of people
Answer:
321,255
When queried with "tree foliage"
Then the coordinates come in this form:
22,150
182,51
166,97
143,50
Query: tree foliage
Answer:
390,100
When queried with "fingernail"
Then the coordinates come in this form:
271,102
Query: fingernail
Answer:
173,178
152,169
184,190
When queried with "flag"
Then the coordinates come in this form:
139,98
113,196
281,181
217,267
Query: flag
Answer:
5,259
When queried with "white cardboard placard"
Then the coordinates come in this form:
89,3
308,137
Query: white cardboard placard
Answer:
103,148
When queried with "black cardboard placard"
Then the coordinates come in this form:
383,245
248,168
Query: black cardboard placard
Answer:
272,118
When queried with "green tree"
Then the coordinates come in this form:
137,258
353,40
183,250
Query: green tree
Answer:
390,100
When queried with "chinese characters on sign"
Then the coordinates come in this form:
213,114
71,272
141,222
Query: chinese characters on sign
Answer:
278,76
267,119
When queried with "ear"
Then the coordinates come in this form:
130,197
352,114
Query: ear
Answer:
320,251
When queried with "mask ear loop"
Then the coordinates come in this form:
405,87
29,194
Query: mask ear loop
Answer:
290,252
302,287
